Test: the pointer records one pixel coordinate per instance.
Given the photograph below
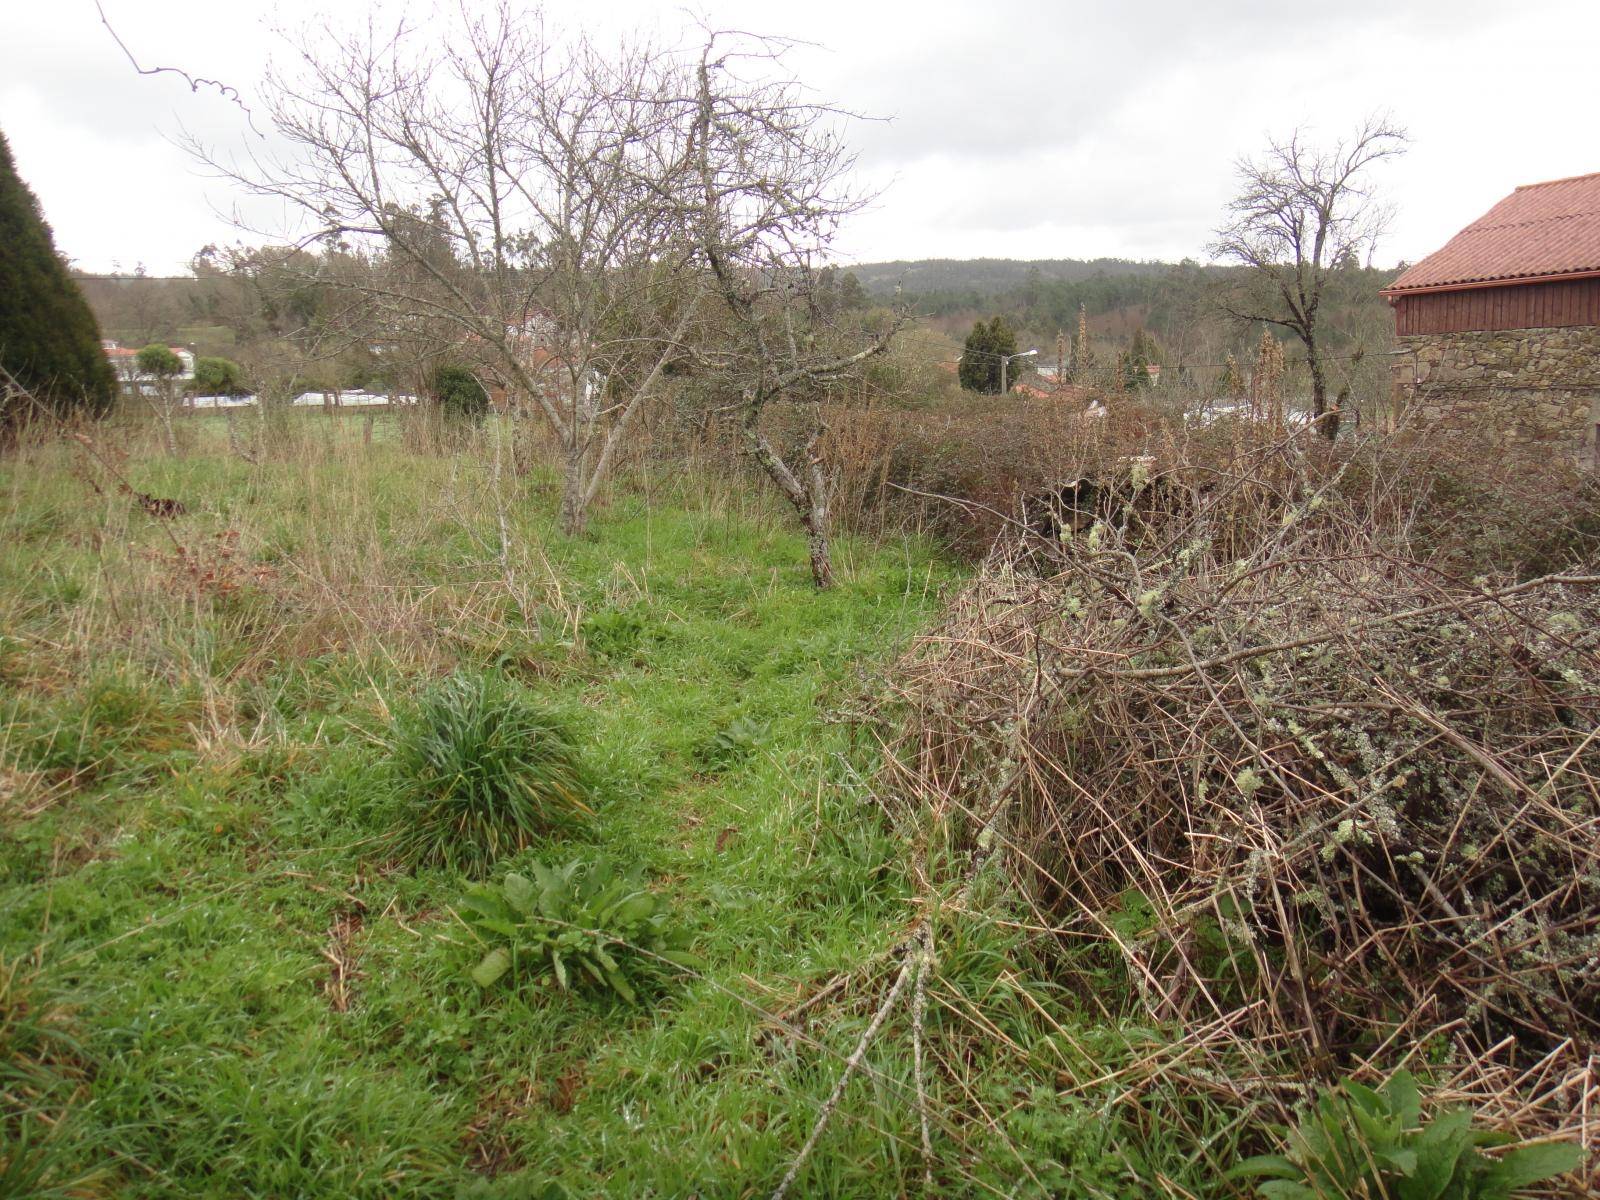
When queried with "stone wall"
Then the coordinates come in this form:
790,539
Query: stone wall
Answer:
1516,387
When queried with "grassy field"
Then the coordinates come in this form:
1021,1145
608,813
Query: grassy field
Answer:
216,979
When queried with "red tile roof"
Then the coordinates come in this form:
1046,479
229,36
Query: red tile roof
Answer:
1540,230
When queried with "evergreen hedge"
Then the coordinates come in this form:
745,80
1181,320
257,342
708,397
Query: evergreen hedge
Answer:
49,339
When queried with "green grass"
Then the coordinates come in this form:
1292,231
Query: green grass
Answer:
481,772
225,984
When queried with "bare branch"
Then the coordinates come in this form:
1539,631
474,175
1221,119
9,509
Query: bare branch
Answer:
195,82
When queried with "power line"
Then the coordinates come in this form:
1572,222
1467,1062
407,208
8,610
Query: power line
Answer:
1179,366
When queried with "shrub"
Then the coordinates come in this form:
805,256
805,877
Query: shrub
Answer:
48,336
482,772
1357,1142
218,377
982,353
158,360
458,393
583,924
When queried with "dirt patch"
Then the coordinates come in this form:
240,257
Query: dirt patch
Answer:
486,1141
568,1087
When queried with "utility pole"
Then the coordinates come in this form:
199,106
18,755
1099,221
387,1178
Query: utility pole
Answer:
1005,363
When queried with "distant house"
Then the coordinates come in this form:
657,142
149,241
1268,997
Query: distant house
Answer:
125,365
1036,387
1499,331
550,373
536,342
1043,385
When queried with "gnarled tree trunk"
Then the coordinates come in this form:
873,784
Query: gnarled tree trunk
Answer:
808,496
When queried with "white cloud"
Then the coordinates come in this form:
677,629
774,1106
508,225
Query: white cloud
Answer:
1020,128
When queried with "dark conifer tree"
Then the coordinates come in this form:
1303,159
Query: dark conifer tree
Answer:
49,340
981,355
1142,354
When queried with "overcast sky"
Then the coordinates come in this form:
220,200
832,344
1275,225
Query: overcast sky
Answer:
1012,128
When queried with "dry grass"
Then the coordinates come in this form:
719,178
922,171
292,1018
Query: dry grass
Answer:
312,547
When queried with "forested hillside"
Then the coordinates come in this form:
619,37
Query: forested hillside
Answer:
1182,304
988,276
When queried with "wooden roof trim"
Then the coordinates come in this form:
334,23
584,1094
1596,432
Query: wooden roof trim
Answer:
1395,293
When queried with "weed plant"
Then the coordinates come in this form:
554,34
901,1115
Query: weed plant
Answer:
483,772
1356,1141
581,924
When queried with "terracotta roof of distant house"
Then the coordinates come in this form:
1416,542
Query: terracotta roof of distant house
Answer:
1540,231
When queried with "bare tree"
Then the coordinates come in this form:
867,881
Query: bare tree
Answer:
768,196
1303,213
520,194
581,222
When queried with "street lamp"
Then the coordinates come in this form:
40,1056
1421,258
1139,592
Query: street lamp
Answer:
1005,363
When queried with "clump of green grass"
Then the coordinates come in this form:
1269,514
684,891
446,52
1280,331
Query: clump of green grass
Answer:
115,724
42,1067
483,772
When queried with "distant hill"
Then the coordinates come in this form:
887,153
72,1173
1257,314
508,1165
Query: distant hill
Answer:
991,276
1179,303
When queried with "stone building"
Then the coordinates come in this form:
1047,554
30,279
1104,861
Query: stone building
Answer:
1499,331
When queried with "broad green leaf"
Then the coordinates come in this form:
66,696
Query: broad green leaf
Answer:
1366,1099
1531,1164
636,907
1275,1165
1438,1148
1404,1100
623,989
495,964
1375,1130
560,968
1404,1161
519,891
487,904
1284,1189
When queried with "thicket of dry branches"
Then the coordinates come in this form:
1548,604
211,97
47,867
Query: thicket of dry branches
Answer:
1328,805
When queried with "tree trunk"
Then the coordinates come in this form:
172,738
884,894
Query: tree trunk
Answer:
817,519
810,499
169,436
574,512
1326,419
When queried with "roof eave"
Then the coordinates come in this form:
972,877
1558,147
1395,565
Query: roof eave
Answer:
1394,293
